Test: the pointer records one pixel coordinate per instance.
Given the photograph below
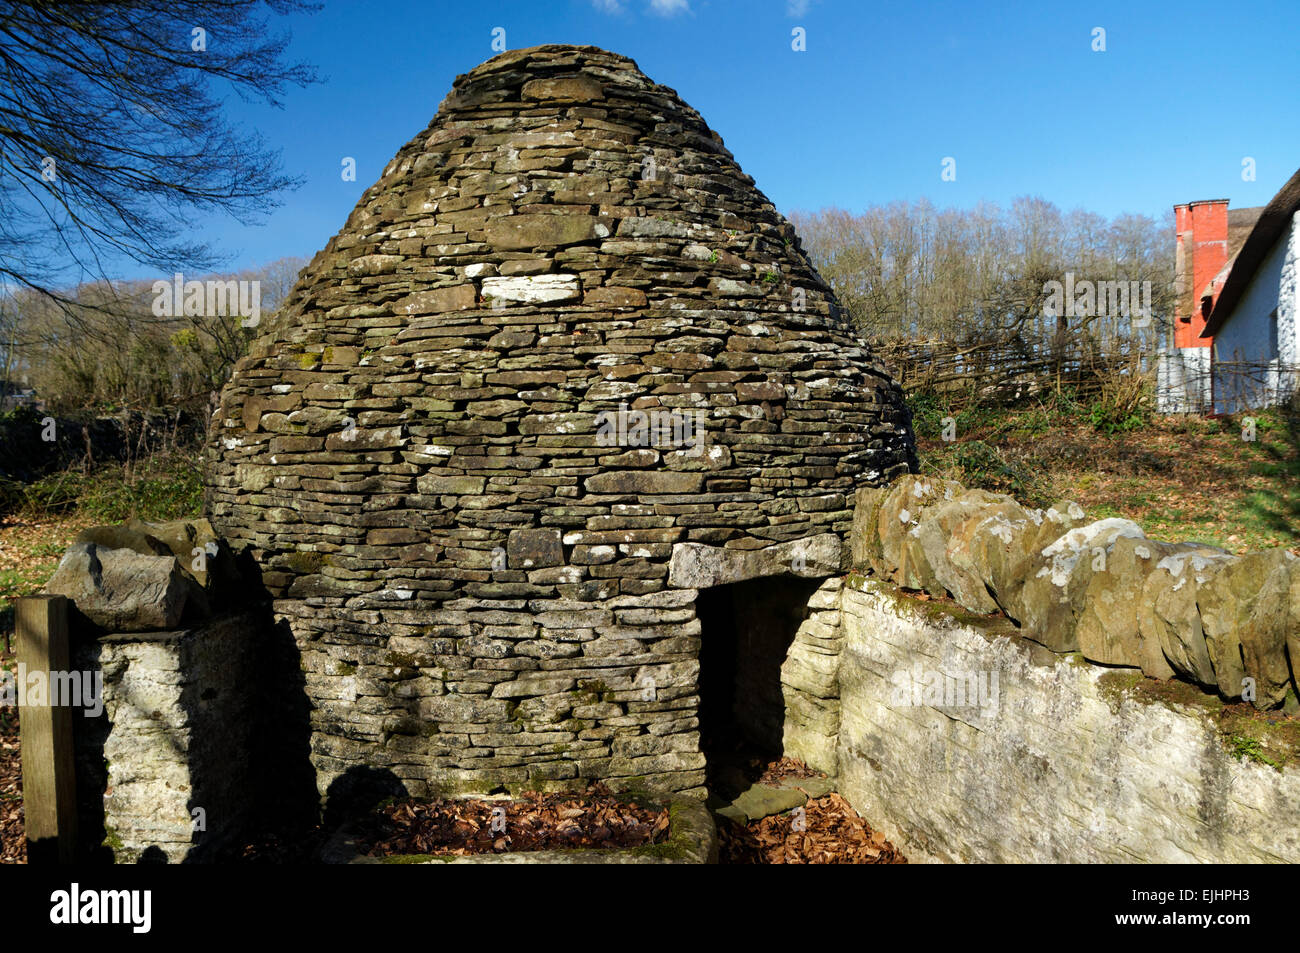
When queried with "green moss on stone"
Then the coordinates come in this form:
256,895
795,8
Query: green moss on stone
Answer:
635,787
449,788
676,847
945,611
417,859
1117,684
591,691
1266,737
306,562
112,840
938,611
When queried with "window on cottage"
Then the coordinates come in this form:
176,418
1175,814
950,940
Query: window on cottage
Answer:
1273,353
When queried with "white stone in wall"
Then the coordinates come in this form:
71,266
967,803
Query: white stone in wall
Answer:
532,289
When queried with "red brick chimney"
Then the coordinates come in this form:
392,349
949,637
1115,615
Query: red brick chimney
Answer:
1201,230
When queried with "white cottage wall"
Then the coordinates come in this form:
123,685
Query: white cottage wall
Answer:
1247,372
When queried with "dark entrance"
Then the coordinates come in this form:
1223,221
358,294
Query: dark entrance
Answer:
746,631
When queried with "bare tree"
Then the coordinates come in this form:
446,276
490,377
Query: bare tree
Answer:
112,131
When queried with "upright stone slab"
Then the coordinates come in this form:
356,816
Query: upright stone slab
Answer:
561,337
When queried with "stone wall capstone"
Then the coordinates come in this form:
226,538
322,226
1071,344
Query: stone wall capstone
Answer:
1228,623
561,338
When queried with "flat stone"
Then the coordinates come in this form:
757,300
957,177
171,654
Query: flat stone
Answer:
122,590
812,787
569,88
697,566
123,537
530,289
452,485
610,297
514,232
761,800
438,301
374,265
534,548
644,482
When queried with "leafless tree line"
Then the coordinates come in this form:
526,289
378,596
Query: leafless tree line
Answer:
101,347
958,301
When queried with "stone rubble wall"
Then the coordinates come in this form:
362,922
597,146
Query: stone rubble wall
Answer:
947,683
810,683
475,573
163,773
1065,763
163,618
1229,624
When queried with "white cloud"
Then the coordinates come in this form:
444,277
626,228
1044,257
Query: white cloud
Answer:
668,8
664,8
797,8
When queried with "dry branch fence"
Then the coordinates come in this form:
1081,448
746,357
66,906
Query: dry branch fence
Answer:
1002,370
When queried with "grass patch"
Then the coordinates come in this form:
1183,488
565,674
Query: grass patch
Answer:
165,487
1244,747
29,554
38,520
1180,478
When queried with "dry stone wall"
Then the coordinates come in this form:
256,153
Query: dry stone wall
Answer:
947,683
561,348
1229,624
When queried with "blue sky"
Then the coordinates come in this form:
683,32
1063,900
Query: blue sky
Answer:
1014,92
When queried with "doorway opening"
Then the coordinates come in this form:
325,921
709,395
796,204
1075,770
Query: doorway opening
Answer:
746,629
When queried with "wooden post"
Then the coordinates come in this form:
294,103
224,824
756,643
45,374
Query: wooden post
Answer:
45,732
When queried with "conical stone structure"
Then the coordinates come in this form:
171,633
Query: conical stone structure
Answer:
563,367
